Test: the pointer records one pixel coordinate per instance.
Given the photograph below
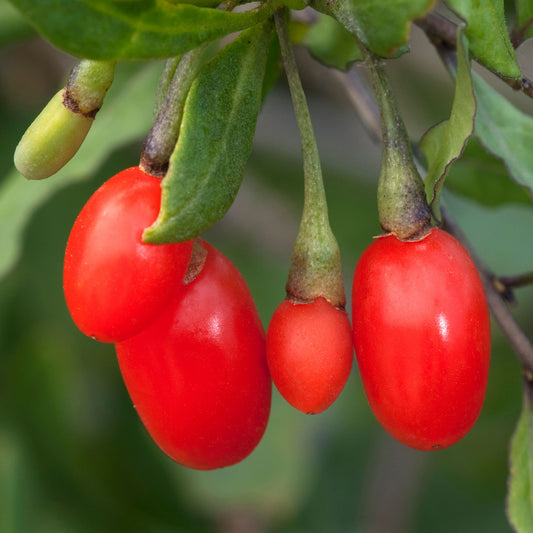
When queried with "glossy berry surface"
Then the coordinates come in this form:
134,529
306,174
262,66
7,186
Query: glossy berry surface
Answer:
422,338
198,376
310,353
114,284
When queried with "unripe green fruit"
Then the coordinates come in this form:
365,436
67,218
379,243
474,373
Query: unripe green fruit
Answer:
57,133
51,141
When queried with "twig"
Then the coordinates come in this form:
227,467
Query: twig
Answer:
521,280
359,96
505,285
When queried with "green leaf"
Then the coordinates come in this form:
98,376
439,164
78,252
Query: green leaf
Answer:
132,29
487,34
12,25
331,43
483,178
215,141
524,23
120,121
444,143
520,494
504,131
383,25
524,12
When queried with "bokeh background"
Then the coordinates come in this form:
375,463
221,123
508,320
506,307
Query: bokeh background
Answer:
74,456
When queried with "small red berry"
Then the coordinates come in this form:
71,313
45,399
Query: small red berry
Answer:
310,353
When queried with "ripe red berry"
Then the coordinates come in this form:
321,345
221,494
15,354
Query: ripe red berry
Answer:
310,353
422,338
114,284
198,376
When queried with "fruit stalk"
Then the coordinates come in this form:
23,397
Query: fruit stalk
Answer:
176,80
162,137
402,204
315,265
87,86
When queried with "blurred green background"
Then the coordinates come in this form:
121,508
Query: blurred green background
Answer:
74,456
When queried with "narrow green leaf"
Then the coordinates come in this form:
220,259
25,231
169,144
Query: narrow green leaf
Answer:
132,29
520,493
505,131
207,166
331,43
120,121
481,177
524,23
488,35
383,25
444,143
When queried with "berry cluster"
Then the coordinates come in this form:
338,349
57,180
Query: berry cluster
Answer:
196,361
189,341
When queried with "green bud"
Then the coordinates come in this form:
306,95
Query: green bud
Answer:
57,133
51,141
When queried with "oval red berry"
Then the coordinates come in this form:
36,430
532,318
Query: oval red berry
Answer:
114,284
310,353
422,338
198,376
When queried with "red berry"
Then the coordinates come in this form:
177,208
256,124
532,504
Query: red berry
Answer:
198,376
310,353
115,285
422,338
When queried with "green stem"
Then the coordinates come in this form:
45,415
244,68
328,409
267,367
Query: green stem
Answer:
87,86
402,204
165,80
176,81
315,265
162,137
